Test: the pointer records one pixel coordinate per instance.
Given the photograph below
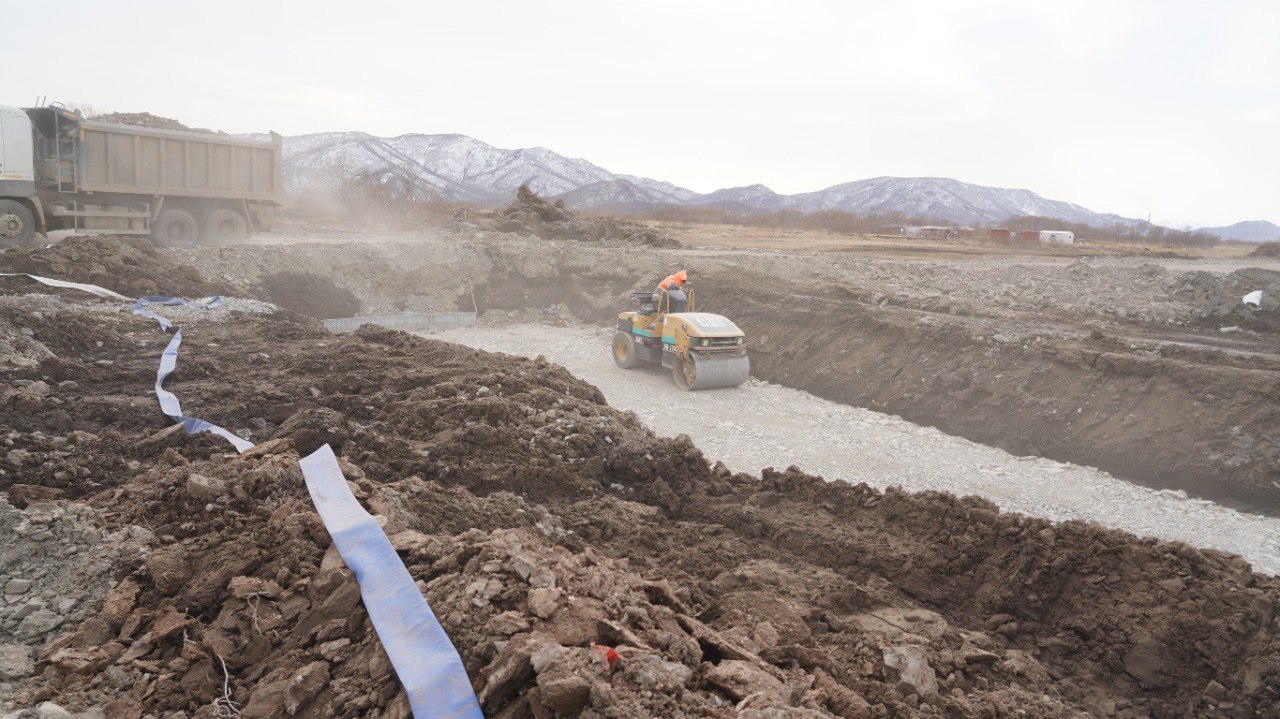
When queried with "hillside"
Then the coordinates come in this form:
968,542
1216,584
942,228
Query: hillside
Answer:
1248,231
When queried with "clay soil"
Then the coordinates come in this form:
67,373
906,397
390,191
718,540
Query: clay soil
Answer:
542,525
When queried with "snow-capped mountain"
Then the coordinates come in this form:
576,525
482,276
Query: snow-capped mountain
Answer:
447,167
943,199
457,167
1248,231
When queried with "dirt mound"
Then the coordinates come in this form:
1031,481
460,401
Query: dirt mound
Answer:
146,119
1221,296
541,523
310,295
1266,249
532,215
128,265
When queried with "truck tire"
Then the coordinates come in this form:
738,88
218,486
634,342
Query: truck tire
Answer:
175,228
224,227
17,224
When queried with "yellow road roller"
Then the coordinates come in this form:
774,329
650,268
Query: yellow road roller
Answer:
704,351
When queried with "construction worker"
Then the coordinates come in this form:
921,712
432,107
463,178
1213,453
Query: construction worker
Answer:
676,280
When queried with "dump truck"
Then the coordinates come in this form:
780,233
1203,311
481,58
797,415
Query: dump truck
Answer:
702,350
60,171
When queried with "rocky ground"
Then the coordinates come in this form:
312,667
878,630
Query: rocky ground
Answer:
545,527
763,425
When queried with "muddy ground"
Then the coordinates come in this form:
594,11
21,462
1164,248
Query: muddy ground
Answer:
1153,373
541,524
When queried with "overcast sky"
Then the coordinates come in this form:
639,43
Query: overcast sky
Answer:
1167,108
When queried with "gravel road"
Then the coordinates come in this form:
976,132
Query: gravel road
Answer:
762,425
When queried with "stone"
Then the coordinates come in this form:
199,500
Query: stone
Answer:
740,679
25,495
913,668
37,623
544,601
306,685
49,710
542,657
205,488
15,662
563,694
17,586
656,674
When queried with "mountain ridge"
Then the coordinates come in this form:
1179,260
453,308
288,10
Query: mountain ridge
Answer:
456,167
1247,231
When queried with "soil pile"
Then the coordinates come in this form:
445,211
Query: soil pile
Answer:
1222,295
582,566
128,265
146,119
1266,249
532,215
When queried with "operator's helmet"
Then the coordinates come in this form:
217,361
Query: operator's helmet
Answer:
682,277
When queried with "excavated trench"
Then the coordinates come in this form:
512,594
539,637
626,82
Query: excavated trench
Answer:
1197,420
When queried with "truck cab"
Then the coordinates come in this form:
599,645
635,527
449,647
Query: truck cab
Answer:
19,207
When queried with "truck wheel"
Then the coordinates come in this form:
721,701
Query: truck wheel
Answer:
224,227
624,351
17,225
175,228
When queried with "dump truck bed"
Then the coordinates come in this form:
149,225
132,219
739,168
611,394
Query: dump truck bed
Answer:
140,160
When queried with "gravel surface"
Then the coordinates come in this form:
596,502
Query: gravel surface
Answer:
762,425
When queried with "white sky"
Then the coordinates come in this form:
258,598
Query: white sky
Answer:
1170,108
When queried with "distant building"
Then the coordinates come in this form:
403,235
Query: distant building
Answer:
1058,237
931,232
1000,233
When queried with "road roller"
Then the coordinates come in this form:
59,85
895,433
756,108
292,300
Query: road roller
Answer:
703,350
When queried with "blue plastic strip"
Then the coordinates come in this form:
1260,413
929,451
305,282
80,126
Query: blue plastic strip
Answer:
93,289
429,667
169,361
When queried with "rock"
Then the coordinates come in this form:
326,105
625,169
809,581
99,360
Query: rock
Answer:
205,488
508,623
25,495
544,656
1147,662
15,662
740,679
170,568
306,685
913,668
49,710
37,623
563,694
544,601
656,674
17,586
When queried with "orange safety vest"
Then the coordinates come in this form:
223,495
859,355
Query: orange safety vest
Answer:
678,279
